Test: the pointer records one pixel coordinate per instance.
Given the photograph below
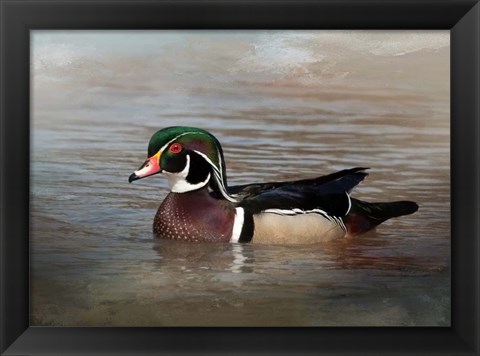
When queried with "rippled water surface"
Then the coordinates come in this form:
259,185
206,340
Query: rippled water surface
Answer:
284,105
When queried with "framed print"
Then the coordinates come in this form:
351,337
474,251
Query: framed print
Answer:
297,103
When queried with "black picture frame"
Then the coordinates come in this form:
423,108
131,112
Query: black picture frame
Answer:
18,17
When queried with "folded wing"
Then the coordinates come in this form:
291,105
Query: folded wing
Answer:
326,195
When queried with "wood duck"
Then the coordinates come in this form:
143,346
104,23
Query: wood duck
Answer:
202,207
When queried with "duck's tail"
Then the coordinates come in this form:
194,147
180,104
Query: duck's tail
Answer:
364,216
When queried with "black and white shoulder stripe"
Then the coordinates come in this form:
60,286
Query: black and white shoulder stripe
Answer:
242,227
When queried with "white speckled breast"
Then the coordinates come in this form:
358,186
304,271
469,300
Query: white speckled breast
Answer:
193,216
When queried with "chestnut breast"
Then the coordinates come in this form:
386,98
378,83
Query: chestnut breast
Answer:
194,216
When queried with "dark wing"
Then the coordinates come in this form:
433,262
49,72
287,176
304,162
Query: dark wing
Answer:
328,194
251,190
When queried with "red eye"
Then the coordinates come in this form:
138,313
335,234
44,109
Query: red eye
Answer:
176,148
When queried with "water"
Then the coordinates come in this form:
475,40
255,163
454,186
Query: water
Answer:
284,105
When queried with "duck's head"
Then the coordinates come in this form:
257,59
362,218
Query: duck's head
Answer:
190,158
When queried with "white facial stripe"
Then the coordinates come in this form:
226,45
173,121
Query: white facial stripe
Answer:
180,185
219,161
218,177
176,137
178,182
237,225
208,160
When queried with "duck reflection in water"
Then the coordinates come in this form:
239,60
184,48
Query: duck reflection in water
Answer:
188,256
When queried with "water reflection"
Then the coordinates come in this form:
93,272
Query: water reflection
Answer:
186,256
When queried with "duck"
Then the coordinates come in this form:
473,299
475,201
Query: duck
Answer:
201,207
